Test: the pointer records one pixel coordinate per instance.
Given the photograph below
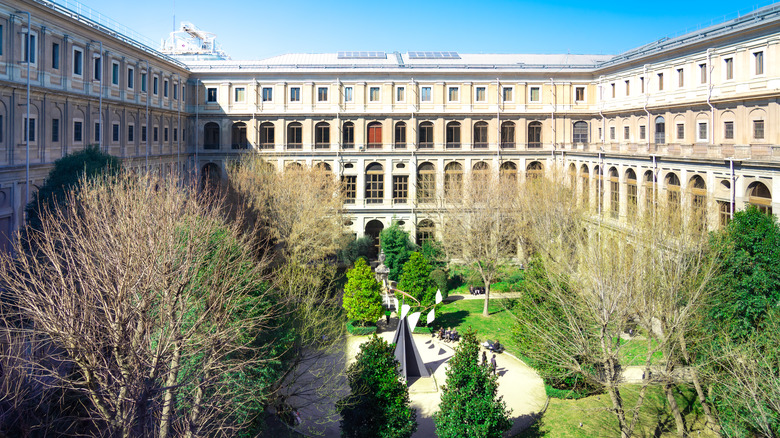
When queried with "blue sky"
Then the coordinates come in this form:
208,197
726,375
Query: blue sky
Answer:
260,29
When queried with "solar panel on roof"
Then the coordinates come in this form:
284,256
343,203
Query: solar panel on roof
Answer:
362,55
433,55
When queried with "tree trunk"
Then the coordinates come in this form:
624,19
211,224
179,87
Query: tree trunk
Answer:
679,421
170,381
699,391
617,405
485,311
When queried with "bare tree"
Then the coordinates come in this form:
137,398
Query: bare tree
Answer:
146,302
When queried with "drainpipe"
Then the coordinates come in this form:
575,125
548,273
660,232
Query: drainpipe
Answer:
647,99
733,189
552,115
100,99
148,128
601,112
178,123
498,119
655,183
709,96
27,128
197,144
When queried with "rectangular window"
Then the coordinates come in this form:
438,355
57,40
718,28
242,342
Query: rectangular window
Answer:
425,94
479,94
295,94
97,131
453,94
660,82
154,134
155,85
728,130
165,88
579,94
211,95
97,65
642,84
400,189
175,92
143,133
239,94
349,187
347,94
29,130
680,77
702,131
758,57
758,129
143,84
1,39
165,134
626,133
703,72
130,133
642,132
611,132
77,131
31,52
729,66
130,78
115,132
55,56
175,134
680,131
400,94
507,94
628,88
613,90
534,95
322,94
115,74
78,62
373,94
268,94
55,130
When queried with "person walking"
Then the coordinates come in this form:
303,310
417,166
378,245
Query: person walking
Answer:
493,364
484,357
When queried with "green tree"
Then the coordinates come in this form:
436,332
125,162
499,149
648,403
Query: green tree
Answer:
469,402
66,175
397,246
748,281
362,299
378,405
416,279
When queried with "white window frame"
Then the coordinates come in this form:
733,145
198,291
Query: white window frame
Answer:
706,124
457,93
726,61
430,93
511,89
271,94
484,94
291,95
349,94
378,95
400,89
73,131
216,94
73,51
584,93
235,95
327,95
530,93
753,62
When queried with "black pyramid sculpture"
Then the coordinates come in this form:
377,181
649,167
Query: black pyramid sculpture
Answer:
406,353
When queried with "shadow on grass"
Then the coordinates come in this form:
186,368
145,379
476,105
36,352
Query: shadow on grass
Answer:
453,319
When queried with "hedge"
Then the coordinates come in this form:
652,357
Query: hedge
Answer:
359,330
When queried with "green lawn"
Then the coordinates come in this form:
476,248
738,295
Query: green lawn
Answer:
634,352
563,417
463,314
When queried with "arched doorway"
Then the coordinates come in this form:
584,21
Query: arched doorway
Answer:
373,228
210,176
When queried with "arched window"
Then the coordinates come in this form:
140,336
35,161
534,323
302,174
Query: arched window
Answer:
453,135
585,178
348,135
238,136
266,135
426,183
580,132
374,135
649,183
322,166
534,170
672,192
453,180
210,176
375,183
294,136
572,176
400,135
759,195
508,135
698,200
480,135
425,231
598,173
425,140
322,135
614,193
535,135
210,136
508,172
660,130
480,173
631,192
